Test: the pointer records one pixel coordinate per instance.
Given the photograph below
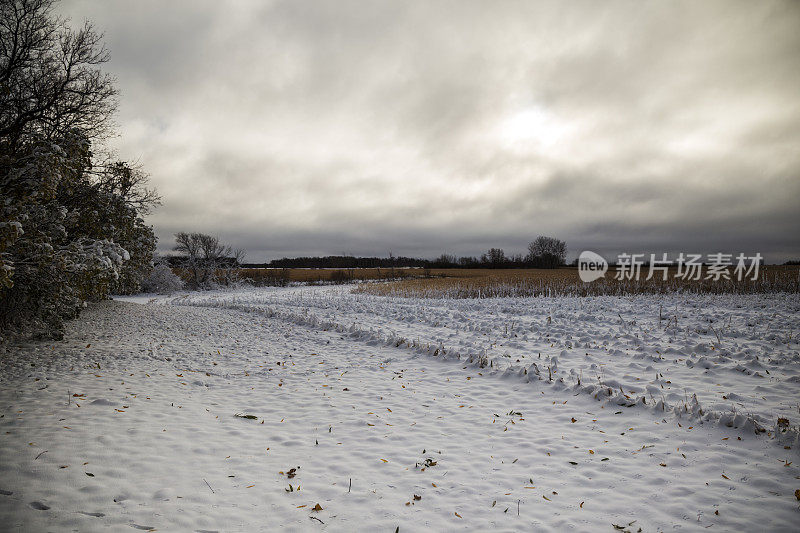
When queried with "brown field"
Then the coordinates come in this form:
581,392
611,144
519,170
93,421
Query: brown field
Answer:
279,276
487,283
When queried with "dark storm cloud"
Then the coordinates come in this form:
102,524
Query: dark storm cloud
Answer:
305,127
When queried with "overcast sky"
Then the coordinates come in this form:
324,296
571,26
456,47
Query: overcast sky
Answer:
305,128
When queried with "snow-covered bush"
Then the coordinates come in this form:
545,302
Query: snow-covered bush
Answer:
162,279
61,240
106,208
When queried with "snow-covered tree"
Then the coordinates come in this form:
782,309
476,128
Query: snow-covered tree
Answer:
101,209
70,229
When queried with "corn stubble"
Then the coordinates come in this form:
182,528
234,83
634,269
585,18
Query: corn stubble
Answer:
475,283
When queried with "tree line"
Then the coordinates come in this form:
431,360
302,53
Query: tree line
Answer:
71,214
544,252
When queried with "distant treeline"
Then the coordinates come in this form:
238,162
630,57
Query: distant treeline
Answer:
495,259
349,261
341,261
544,252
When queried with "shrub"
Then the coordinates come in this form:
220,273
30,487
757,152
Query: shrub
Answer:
162,279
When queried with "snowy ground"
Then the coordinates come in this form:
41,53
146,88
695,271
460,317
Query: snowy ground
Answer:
390,419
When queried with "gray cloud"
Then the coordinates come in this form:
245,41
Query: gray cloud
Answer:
299,127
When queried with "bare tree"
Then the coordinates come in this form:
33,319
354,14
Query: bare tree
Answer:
129,182
206,261
50,80
188,244
547,252
496,257
231,266
445,261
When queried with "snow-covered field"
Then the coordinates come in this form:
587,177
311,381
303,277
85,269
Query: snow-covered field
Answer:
586,414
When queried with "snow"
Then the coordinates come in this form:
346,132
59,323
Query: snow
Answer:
605,342
358,393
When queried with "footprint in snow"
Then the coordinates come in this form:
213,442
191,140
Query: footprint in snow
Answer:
164,495
39,506
96,515
145,528
6,492
101,401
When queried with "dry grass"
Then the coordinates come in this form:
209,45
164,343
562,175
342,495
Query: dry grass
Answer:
479,283
282,276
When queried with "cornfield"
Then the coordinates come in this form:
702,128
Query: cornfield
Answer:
284,276
565,282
